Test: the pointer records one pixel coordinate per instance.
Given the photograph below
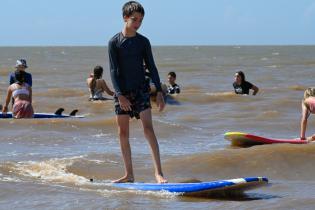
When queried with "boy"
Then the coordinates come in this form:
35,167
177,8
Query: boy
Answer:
173,87
127,52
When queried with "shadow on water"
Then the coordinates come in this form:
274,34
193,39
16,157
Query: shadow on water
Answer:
228,196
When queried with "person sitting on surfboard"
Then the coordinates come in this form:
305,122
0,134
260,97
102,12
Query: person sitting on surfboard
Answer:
22,95
308,107
97,85
241,86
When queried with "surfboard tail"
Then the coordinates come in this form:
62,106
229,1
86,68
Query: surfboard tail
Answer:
74,112
59,111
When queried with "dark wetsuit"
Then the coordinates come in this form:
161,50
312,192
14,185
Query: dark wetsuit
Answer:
28,78
126,57
243,88
172,89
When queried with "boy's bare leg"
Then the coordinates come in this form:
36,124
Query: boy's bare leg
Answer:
146,119
123,131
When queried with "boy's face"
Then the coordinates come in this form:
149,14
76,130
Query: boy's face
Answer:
171,79
133,22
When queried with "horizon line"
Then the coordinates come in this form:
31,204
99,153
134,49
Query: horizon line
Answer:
172,45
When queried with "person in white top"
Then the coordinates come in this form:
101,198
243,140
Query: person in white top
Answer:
22,95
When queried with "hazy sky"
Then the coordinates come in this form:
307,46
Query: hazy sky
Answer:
167,22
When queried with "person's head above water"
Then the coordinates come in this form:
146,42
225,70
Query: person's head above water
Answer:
19,76
171,77
21,64
239,77
98,72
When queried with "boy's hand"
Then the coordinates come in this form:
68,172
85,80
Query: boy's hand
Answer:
160,101
124,103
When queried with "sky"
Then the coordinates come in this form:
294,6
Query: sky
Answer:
166,22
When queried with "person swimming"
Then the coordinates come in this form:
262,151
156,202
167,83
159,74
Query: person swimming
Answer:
172,88
97,85
22,95
241,86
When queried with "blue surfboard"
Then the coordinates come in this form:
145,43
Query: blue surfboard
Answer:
57,114
42,115
240,184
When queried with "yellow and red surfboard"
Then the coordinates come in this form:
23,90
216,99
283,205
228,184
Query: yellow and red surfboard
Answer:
243,139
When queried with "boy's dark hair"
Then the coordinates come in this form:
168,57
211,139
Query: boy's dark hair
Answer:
132,6
98,71
242,75
172,74
19,76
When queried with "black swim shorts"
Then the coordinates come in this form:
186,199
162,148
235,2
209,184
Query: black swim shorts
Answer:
139,99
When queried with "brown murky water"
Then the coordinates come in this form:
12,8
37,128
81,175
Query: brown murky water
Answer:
47,163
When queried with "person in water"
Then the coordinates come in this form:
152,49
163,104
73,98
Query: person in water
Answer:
308,107
172,88
21,65
97,85
22,95
127,51
241,86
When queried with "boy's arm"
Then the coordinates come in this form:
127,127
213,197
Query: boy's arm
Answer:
149,61
113,63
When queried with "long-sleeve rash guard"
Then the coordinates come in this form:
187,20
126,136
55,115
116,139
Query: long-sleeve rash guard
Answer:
127,56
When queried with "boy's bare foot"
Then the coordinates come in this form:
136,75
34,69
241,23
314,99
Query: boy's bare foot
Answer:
124,179
160,179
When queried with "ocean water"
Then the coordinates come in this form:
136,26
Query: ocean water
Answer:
47,163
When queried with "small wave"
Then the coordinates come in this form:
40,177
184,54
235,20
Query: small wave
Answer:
272,66
5,72
282,161
267,115
61,93
298,87
204,98
53,170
